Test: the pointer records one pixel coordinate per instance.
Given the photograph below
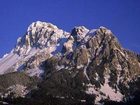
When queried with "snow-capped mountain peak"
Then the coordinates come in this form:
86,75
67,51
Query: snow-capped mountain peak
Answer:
39,35
84,62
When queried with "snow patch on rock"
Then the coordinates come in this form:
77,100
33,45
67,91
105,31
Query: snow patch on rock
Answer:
111,93
91,89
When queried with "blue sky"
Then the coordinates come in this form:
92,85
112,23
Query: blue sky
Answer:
121,16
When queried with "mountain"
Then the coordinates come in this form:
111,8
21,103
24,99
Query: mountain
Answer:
50,66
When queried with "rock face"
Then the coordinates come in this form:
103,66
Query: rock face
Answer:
99,66
84,66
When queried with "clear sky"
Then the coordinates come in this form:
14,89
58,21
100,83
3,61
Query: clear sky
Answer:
121,16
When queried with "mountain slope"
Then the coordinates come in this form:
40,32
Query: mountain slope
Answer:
40,39
84,66
98,66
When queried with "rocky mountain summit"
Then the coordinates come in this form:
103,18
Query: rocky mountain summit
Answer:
81,67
